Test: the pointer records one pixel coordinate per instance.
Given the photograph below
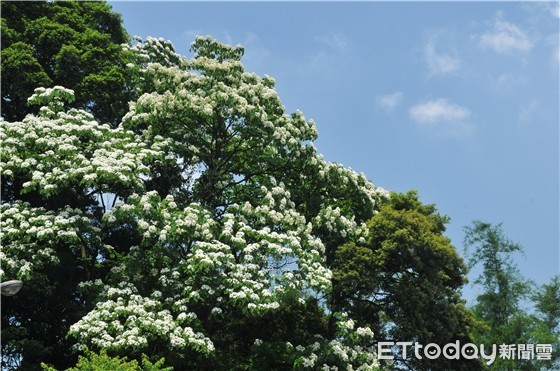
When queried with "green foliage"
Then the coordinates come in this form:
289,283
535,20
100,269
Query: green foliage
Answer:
545,327
104,362
503,287
404,281
547,300
21,73
75,44
500,308
69,43
498,305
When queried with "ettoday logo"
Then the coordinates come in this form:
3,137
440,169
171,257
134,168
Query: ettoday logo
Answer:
433,351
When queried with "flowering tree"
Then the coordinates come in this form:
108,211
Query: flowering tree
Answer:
56,169
201,229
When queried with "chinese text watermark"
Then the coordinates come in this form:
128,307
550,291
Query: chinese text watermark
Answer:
457,350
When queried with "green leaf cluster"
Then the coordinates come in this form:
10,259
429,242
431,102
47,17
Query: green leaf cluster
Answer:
75,44
405,280
102,361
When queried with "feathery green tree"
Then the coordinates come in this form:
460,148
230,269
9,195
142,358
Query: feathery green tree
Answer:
503,306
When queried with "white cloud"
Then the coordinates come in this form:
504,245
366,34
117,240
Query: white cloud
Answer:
390,101
440,64
437,111
227,39
438,114
506,38
321,63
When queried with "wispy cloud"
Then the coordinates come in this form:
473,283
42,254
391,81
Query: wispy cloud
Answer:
335,41
255,53
327,58
190,34
438,63
390,101
527,111
553,41
555,11
439,114
508,82
506,38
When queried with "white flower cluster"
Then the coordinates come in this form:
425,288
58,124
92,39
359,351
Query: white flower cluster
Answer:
246,244
153,50
52,99
334,221
356,352
162,220
273,233
238,261
31,235
350,182
193,95
364,332
126,320
71,149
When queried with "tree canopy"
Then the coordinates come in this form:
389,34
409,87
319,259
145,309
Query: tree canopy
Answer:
405,280
502,307
168,211
76,44
197,230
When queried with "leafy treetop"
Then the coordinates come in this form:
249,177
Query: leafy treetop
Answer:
74,44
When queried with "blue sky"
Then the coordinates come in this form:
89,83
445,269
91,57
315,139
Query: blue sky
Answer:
457,100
